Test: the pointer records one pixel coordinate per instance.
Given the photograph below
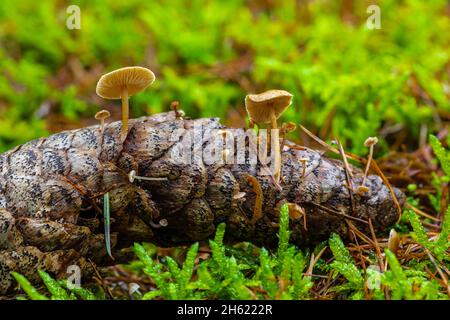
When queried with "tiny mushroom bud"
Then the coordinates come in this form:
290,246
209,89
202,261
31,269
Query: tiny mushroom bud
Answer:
267,107
304,162
174,105
239,196
163,223
286,128
362,190
102,115
369,143
123,83
297,212
394,241
131,176
133,288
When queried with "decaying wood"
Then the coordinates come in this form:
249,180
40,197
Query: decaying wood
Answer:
51,192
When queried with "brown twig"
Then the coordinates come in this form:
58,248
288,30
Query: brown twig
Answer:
348,173
421,213
441,274
329,210
257,210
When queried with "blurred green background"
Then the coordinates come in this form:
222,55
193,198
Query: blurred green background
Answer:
348,81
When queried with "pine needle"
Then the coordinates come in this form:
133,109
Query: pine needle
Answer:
107,224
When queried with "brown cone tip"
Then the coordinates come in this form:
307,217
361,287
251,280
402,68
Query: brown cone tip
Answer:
135,79
260,106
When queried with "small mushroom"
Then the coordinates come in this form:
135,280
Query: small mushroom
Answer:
134,288
295,211
369,143
123,83
304,162
239,196
394,241
174,105
362,190
159,224
132,176
163,223
102,115
286,127
267,107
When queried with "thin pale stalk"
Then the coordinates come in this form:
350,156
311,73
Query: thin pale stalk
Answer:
125,112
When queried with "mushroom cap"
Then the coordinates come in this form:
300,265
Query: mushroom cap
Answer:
102,114
260,106
394,241
370,141
132,176
135,79
289,126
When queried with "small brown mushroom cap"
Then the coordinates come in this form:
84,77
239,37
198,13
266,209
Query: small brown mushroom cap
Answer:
134,79
102,115
295,211
288,127
260,106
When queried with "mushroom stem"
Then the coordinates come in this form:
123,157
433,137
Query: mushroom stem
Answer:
303,161
285,129
273,120
370,142
149,178
102,125
275,146
125,111
368,165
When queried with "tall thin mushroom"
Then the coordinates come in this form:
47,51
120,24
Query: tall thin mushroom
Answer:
369,143
267,107
123,83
